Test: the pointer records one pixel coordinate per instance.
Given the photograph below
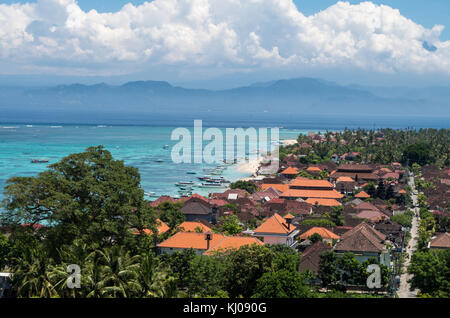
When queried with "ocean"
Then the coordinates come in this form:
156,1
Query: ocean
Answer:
143,146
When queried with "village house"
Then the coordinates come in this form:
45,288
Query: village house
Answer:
345,185
311,257
276,230
204,243
327,235
440,241
359,173
366,243
198,207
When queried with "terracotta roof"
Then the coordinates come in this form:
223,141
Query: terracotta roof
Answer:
276,225
290,170
366,206
324,194
323,202
192,226
323,232
161,226
314,169
362,238
232,242
372,215
441,241
162,199
289,216
345,179
190,240
218,202
354,167
402,191
362,195
310,183
280,187
311,257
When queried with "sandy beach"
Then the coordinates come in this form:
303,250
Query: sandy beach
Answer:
288,142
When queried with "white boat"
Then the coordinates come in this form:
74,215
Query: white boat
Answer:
151,194
212,185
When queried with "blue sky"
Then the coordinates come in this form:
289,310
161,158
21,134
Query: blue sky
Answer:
341,44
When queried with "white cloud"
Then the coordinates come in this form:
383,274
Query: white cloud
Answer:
239,34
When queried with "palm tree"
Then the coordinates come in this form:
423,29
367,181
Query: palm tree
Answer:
155,280
119,273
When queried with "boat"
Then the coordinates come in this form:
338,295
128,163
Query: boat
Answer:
39,160
191,172
184,183
166,147
212,185
151,194
159,160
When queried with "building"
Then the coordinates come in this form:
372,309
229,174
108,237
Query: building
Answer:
198,227
311,257
160,225
181,241
366,243
440,241
345,184
359,173
197,207
323,202
290,172
205,243
327,235
276,230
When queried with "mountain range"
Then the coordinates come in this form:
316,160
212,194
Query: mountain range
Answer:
290,97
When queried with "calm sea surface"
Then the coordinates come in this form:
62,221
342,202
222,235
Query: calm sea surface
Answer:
143,146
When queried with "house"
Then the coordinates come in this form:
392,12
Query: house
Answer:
161,199
204,243
276,230
160,225
308,184
290,172
311,257
440,241
345,184
365,242
198,227
293,194
327,235
366,206
362,195
323,202
359,173
372,215
199,242
232,242
265,195
314,170
197,207
281,187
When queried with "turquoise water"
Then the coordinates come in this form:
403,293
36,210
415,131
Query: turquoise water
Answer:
138,146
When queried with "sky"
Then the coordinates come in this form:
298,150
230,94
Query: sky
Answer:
225,43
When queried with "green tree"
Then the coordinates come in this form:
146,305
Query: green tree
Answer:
248,186
431,272
417,153
245,266
87,196
281,284
316,237
230,225
5,248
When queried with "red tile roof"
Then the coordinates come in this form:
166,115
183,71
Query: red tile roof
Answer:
190,240
275,225
362,195
232,242
324,194
310,183
323,232
161,226
290,171
323,202
188,226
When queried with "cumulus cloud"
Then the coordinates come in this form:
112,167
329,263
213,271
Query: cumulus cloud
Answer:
235,34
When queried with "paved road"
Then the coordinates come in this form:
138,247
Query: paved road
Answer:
403,291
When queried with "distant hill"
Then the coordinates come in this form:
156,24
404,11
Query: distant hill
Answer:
290,97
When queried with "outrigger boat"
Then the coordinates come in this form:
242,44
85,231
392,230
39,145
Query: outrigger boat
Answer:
39,160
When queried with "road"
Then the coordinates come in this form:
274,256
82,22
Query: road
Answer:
403,291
